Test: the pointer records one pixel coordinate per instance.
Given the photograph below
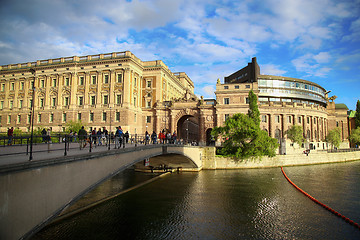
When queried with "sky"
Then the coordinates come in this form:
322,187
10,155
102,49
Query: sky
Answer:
315,40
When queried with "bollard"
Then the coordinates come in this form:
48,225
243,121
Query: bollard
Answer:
124,141
90,146
27,146
135,140
65,153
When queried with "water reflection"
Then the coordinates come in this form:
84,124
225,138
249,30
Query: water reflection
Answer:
226,204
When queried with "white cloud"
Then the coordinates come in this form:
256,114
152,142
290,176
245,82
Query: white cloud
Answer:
271,69
312,64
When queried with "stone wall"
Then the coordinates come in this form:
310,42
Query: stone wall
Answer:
210,161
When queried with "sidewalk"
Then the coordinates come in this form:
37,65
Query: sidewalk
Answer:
17,154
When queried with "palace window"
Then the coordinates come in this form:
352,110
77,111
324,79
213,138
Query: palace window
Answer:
81,80
66,101
106,99
32,84
21,85
226,101
41,102
117,116
9,119
64,117
118,99
289,119
148,83
91,117
20,103
148,119
51,118
277,119
53,102
93,79
226,117
54,82
308,120
148,104
226,87
119,78
30,103
11,104
135,102
79,116
135,82
39,118
92,100
42,83
247,100
1,104
67,81
12,86
104,116
18,118
135,117
247,86
236,86
106,78
28,118
3,87
299,119
263,118
81,100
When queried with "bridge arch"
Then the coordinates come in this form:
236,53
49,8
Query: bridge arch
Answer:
32,195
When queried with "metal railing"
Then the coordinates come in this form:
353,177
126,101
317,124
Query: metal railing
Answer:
65,142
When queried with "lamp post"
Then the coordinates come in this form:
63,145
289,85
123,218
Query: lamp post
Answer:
32,115
109,133
187,130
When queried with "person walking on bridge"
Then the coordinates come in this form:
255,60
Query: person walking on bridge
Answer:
82,137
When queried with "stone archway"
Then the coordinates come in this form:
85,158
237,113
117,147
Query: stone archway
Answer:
188,129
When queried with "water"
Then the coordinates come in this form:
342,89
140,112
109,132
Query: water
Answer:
227,204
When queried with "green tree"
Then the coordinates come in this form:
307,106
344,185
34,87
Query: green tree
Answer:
295,134
73,126
334,137
243,138
253,111
354,137
357,115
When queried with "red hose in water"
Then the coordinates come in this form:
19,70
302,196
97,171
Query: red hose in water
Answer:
321,204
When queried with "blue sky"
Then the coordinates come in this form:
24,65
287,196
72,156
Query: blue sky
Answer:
315,40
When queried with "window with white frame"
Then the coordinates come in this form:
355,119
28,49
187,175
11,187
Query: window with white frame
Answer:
119,78
226,100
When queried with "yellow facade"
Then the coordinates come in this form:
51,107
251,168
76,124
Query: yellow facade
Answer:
95,89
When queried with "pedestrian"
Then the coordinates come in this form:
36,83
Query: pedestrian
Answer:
118,137
99,136
126,135
48,135
10,135
174,137
154,137
43,134
106,136
147,137
93,136
82,137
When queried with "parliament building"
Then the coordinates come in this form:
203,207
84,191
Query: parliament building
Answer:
119,89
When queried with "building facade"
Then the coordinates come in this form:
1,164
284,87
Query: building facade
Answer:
119,89
97,89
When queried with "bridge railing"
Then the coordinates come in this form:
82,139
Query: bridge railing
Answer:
68,142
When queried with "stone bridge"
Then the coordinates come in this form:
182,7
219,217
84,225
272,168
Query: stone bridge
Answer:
34,193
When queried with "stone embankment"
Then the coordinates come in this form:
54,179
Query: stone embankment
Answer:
212,161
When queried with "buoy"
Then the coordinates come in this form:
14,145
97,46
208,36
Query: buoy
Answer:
320,203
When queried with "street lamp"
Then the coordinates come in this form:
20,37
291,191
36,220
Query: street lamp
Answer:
187,131
32,115
109,132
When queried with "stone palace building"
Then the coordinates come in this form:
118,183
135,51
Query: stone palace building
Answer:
119,89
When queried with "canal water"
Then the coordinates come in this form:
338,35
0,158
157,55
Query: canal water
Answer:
226,204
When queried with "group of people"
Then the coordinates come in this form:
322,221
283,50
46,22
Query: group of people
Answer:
101,137
46,135
162,137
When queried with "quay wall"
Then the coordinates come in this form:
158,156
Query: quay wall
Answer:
211,161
